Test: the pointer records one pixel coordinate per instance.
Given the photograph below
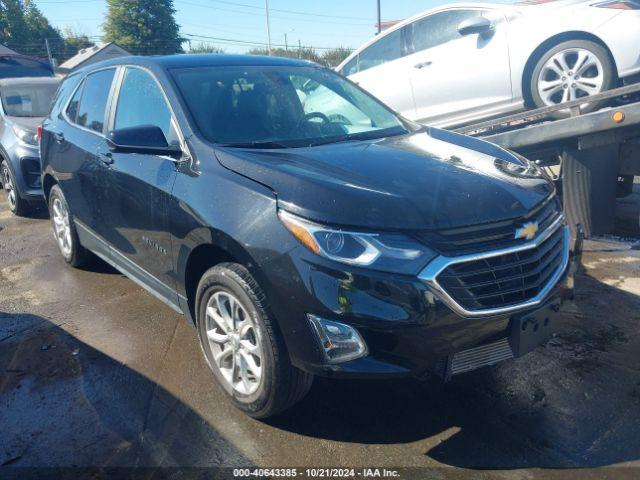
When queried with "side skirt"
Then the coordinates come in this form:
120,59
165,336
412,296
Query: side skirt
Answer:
91,241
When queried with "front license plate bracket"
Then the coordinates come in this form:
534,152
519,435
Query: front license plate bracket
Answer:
531,329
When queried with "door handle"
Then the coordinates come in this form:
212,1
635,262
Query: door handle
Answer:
58,136
106,158
422,64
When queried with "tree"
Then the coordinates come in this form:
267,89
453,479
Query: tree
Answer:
39,30
205,48
14,33
75,40
144,27
72,42
334,57
304,53
38,27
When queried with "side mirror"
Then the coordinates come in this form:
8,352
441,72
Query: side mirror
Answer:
476,25
147,139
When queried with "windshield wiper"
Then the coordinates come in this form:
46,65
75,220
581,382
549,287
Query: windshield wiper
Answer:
370,135
268,144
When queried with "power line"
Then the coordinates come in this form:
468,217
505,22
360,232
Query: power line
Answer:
235,4
295,12
33,48
185,2
247,42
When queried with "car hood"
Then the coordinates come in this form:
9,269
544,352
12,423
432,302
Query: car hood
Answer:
30,123
426,180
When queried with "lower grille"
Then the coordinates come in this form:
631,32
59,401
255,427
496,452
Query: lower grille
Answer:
31,171
504,280
481,356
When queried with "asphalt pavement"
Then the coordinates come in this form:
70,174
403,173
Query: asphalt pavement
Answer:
94,371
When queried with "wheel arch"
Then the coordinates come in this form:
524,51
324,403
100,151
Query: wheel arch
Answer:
550,43
48,181
5,157
200,258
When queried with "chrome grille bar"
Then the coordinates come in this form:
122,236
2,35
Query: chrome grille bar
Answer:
439,264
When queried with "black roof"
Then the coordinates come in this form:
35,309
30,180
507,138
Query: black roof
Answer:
202,60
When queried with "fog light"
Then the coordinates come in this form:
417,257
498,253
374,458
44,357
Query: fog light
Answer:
338,341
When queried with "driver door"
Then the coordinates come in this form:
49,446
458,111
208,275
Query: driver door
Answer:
381,71
140,187
452,75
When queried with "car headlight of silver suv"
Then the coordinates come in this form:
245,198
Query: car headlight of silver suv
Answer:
25,136
389,252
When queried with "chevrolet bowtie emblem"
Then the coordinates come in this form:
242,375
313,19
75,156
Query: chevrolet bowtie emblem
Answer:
528,231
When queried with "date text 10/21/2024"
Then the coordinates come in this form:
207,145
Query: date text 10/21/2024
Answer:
316,473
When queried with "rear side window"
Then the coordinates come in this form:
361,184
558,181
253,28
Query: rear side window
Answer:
388,48
62,95
93,104
72,108
351,67
141,102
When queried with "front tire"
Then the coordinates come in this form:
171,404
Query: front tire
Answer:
569,71
242,345
17,204
64,229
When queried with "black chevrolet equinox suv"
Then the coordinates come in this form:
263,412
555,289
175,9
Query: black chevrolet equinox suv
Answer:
303,226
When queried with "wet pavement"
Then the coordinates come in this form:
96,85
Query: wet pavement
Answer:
96,372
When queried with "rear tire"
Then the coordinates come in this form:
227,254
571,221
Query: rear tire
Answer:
272,383
64,229
17,204
598,77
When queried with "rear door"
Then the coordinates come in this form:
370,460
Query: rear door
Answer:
139,186
76,137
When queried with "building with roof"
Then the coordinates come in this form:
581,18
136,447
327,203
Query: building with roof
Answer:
89,55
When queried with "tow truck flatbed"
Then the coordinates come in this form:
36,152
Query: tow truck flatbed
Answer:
598,153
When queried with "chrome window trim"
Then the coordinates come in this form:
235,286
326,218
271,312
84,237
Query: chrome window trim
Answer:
187,157
430,273
81,83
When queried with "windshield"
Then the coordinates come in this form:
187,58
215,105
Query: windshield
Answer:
274,107
29,100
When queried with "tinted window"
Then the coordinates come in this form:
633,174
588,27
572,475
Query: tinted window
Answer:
388,48
351,67
93,103
295,107
141,102
72,108
28,100
438,28
62,94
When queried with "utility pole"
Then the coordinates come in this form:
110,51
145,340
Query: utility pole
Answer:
286,46
299,49
266,9
46,43
379,19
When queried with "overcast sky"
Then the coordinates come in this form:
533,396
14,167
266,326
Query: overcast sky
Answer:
325,23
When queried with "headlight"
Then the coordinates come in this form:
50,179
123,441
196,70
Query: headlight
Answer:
25,136
390,252
526,168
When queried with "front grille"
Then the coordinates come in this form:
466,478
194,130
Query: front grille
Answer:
489,236
504,280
